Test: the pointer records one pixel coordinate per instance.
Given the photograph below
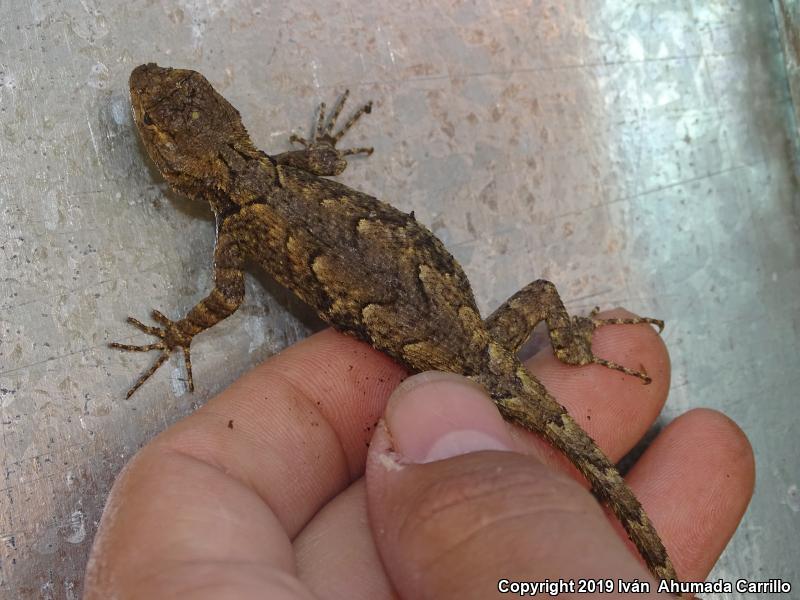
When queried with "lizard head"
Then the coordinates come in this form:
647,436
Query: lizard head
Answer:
183,123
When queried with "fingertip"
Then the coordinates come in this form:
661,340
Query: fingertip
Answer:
695,481
434,415
453,528
726,447
599,398
637,346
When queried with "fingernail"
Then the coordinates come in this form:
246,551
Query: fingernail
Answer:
432,416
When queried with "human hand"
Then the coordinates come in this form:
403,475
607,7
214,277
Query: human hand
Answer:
261,492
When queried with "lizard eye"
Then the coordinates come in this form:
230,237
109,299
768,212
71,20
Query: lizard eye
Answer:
146,119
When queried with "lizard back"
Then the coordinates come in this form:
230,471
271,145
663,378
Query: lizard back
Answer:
369,270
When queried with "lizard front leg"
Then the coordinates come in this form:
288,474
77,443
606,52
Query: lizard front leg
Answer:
320,156
224,299
571,337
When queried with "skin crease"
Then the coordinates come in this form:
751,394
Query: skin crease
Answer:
277,507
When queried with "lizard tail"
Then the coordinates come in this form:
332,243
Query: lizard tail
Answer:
535,409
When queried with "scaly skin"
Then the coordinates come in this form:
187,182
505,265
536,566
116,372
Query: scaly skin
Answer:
369,270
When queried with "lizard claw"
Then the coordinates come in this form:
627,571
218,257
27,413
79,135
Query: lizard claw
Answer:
646,379
324,135
172,336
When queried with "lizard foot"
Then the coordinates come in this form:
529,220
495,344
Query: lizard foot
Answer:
171,335
583,328
324,137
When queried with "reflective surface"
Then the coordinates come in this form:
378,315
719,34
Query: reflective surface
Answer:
636,154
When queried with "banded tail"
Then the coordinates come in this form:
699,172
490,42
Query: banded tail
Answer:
527,403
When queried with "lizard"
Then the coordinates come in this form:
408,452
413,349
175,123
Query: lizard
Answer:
369,270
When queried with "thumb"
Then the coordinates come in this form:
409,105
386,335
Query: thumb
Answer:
455,511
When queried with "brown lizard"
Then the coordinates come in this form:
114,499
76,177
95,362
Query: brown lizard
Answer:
369,270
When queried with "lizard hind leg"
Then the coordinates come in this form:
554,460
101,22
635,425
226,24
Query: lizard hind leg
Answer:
570,337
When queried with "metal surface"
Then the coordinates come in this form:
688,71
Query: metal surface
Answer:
787,16
636,154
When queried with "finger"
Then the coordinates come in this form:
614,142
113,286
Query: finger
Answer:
336,554
601,400
695,481
702,451
244,474
176,527
451,525
299,424
620,344
326,547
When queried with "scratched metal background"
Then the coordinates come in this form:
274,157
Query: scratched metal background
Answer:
637,154
787,15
